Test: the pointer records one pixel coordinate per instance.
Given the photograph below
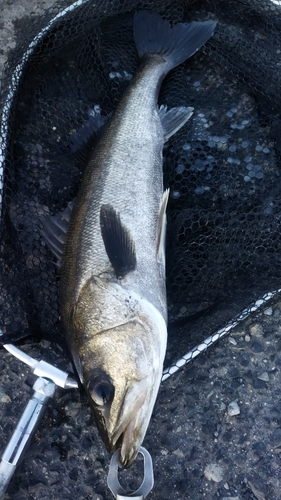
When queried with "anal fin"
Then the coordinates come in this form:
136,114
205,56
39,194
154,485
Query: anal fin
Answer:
161,228
86,138
174,119
119,245
54,231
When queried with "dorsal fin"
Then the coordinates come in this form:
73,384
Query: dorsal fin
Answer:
161,227
54,231
119,245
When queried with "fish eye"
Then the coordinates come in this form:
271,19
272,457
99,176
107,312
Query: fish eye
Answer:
101,390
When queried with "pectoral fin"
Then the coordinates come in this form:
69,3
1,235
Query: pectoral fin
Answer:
174,119
119,245
161,228
54,231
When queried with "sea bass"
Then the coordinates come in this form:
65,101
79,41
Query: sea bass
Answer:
112,290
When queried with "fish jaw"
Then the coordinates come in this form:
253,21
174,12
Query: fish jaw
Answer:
137,407
130,356
134,433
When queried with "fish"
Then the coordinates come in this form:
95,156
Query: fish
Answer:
111,244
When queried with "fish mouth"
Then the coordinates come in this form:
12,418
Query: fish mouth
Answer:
129,441
130,430
126,428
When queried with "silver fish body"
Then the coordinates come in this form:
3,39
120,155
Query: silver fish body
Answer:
112,293
117,327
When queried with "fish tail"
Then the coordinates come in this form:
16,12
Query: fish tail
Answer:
154,35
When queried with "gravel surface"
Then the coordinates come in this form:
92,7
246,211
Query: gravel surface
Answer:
216,427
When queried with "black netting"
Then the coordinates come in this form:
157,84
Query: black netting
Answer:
223,167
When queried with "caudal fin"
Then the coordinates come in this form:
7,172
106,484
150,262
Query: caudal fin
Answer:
154,35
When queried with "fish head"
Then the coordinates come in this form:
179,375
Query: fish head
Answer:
122,369
122,386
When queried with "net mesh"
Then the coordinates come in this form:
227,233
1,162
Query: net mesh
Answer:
223,167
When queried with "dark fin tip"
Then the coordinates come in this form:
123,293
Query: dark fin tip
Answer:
119,246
